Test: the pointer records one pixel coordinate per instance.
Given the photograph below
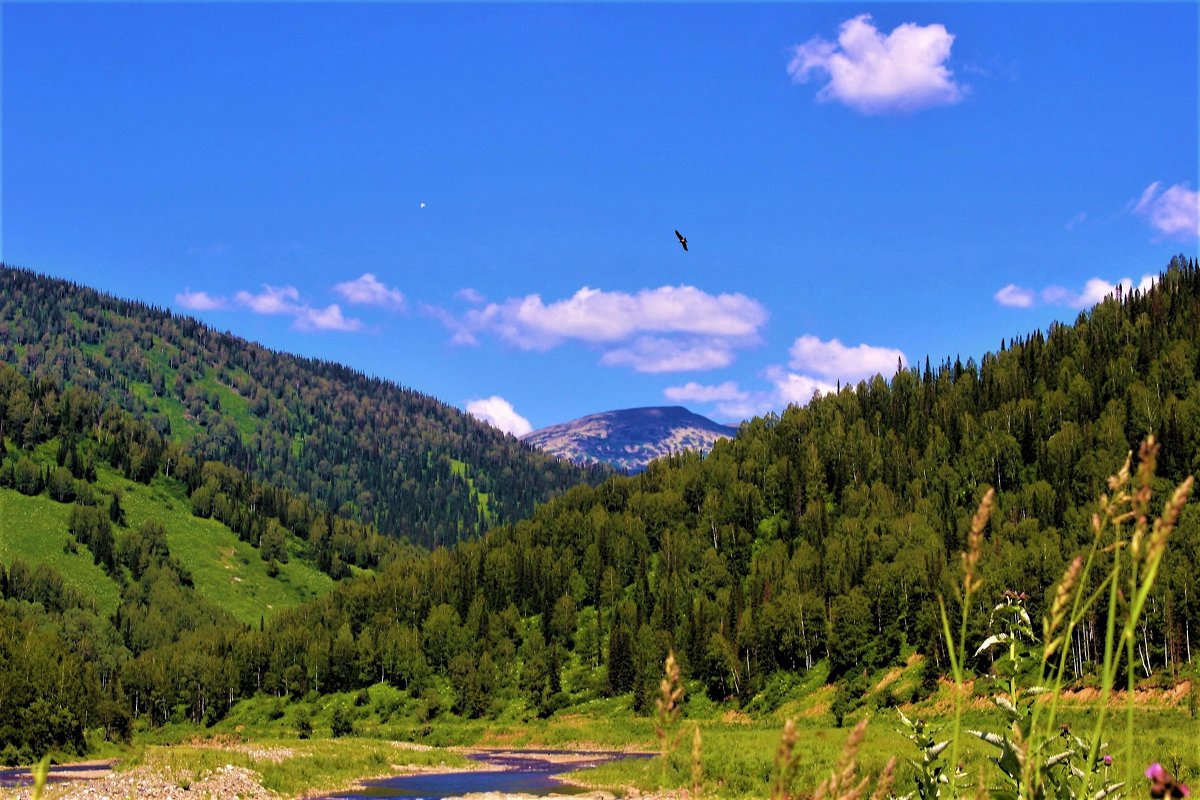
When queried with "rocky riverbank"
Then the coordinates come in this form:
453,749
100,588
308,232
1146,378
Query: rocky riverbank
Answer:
145,783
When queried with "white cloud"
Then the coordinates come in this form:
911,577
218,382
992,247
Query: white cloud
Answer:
200,301
1015,296
877,74
654,354
833,360
594,315
461,334
286,300
469,295
700,393
1174,212
799,389
500,413
272,300
815,366
734,403
669,328
326,319
1093,292
368,290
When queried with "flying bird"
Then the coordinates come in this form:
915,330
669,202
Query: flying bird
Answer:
682,240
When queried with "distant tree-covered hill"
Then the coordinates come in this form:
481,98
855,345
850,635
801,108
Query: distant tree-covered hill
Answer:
365,448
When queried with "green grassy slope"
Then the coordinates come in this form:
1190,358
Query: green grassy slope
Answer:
34,529
225,570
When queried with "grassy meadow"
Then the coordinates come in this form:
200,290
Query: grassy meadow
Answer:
225,570
738,755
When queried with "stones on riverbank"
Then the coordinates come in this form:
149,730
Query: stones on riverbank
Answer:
145,783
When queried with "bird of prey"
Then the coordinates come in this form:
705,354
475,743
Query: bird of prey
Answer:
682,240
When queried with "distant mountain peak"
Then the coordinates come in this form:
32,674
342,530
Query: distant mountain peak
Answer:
630,438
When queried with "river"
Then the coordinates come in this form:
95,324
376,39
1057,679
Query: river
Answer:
533,772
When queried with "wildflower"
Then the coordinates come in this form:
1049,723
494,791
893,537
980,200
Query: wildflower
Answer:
1163,783
1108,759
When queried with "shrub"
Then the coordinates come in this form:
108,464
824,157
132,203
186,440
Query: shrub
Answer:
340,723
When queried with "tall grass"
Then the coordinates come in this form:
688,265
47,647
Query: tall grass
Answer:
1039,756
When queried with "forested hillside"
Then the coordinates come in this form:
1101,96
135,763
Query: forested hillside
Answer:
364,448
820,540
824,535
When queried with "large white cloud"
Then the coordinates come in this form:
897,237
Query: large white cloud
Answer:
369,290
594,315
877,74
1175,211
500,413
665,329
833,360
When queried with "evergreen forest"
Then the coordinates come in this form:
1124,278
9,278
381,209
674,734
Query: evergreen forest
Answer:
365,448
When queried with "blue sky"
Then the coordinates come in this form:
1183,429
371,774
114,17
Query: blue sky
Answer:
479,201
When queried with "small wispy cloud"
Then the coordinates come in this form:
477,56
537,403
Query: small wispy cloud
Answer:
329,318
1015,296
500,413
669,328
469,295
1094,291
286,301
654,354
1076,220
200,301
370,291
271,300
874,73
1173,212
693,392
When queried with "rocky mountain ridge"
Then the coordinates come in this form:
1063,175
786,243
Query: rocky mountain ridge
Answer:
629,439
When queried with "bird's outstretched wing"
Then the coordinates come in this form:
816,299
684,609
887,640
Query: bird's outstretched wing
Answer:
682,240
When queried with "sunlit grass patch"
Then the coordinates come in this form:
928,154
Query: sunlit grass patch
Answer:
226,570
34,529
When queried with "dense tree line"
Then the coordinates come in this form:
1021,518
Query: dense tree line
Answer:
366,448
822,536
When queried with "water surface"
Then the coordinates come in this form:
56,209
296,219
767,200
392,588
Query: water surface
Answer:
532,772
20,776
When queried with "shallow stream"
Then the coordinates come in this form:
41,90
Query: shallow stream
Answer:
532,772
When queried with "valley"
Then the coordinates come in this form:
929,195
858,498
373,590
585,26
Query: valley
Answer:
169,609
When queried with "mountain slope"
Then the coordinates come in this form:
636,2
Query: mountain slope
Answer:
630,438
366,448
